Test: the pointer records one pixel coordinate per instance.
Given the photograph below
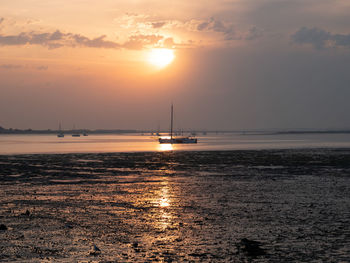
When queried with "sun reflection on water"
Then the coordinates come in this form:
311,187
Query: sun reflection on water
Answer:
165,147
164,204
164,199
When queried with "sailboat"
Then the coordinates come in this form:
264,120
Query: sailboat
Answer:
75,133
158,131
176,140
60,133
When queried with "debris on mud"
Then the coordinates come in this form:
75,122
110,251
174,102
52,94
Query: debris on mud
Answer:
135,244
26,213
250,248
95,251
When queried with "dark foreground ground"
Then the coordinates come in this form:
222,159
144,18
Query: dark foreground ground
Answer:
176,207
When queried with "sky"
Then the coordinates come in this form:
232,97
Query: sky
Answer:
239,64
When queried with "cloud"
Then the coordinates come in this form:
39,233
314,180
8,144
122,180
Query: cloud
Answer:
342,40
42,68
317,37
169,42
98,42
141,41
253,33
152,38
215,25
158,24
227,29
320,38
58,39
1,20
32,21
17,66
10,66
19,39
45,39
57,35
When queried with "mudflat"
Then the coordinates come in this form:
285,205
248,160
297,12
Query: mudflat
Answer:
214,206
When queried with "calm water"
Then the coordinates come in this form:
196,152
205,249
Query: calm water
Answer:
25,144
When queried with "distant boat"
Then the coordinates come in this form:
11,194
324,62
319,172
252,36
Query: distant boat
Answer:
85,134
176,140
158,131
60,133
74,132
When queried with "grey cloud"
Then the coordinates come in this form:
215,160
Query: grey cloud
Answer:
10,66
58,39
57,35
219,26
18,66
140,41
203,26
45,39
158,24
13,40
317,37
1,20
342,40
214,25
320,38
33,38
254,33
42,68
98,42
33,21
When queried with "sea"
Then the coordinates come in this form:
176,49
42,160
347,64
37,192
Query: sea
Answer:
50,143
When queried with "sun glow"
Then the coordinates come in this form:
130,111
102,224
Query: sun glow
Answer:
161,57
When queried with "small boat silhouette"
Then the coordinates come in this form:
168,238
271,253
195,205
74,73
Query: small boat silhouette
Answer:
60,133
176,140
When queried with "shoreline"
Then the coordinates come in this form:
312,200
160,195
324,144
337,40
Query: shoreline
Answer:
305,149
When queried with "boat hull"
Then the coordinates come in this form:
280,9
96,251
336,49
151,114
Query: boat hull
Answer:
177,140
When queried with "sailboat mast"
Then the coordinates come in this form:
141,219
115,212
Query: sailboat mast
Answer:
171,126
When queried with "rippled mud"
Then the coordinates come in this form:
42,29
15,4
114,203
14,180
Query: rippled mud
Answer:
229,206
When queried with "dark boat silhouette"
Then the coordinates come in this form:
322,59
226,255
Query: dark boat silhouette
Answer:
176,140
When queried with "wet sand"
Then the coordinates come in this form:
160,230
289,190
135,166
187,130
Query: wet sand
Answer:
176,207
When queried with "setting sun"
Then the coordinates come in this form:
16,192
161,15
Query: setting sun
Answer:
161,57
